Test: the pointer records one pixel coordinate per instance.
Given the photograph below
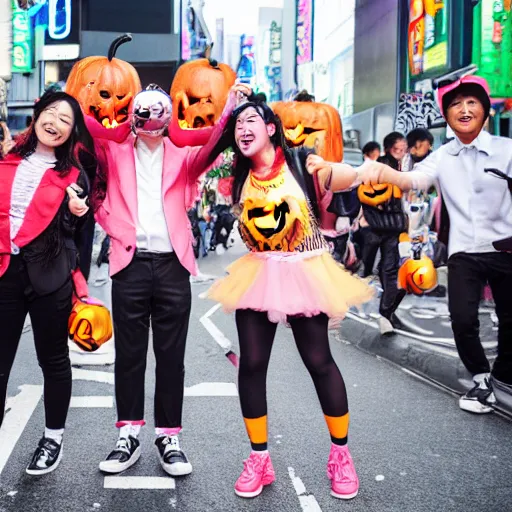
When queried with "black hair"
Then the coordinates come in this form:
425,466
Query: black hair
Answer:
370,147
468,89
68,154
260,97
304,96
391,139
419,135
242,164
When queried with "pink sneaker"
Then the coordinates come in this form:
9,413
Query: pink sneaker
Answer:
342,473
258,471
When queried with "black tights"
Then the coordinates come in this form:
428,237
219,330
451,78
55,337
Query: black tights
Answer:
256,336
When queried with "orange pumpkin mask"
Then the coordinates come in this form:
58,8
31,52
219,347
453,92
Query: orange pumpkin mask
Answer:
199,92
315,125
89,325
105,86
375,195
417,276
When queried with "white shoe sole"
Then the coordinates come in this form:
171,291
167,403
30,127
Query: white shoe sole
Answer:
113,467
176,469
344,496
253,494
32,472
385,326
474,406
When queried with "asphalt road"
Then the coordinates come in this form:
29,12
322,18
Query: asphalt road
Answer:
413,448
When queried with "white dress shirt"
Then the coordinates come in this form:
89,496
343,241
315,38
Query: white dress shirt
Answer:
479,203
152,231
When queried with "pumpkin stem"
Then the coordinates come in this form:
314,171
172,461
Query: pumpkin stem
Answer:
116,43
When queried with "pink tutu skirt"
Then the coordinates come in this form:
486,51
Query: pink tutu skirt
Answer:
290,284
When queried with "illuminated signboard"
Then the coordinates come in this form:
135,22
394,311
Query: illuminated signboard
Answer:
492,45
22,42
304,31
59,19
428,36
62,39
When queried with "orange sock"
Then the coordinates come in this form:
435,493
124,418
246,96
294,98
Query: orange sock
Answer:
257,431
338,428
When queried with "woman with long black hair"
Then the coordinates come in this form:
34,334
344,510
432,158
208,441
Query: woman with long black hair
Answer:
41,180
288,276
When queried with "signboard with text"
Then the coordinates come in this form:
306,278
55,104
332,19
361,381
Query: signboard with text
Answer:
304,31
22,40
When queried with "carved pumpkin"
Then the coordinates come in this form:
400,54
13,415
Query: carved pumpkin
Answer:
199,92
105,86
380,193
315,125
417,276
90,325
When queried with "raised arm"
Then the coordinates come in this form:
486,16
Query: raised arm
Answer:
198,159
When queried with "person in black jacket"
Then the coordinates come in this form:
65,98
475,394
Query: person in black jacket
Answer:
386,222
40,183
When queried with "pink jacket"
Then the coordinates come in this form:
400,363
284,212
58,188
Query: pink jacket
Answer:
118,215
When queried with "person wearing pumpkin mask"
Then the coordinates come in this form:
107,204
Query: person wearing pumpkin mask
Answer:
145,186
40,179
474,175
288,276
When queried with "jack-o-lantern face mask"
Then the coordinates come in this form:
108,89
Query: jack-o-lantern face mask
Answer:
105,86
315,125
199,92
379,194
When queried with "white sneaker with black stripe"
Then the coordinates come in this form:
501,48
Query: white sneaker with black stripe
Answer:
173,460
125,454
480,399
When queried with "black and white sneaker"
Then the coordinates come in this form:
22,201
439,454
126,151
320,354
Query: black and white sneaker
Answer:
479,399
125,455
46,458
173,460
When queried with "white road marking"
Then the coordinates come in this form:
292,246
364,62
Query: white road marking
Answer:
139,482
92,401
93,375
379,478
307,501
214,331
21,408
212,389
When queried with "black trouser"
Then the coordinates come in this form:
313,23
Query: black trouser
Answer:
388,267
467,276
49,315
157,287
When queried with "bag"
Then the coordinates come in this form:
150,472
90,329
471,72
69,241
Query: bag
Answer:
345,204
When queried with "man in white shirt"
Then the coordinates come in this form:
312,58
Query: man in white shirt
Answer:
473,173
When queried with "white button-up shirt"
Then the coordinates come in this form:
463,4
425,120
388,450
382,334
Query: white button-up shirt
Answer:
479,203
152,232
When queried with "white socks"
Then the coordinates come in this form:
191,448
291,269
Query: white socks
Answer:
129,430
54,434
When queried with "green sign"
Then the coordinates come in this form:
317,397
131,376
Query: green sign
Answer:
22,44
492,45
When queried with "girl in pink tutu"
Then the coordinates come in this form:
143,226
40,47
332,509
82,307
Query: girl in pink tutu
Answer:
288,276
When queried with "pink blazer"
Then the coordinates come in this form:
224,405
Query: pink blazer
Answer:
118,215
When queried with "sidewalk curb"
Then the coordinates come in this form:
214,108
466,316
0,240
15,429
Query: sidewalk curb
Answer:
435,360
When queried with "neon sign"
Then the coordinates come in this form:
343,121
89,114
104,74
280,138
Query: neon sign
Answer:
59,18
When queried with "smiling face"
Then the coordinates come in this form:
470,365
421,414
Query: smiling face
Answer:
252,135
466,117
54,125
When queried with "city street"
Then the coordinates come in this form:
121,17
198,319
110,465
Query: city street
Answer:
413,448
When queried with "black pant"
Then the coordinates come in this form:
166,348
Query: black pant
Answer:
388,267
49,315
157,287
467,275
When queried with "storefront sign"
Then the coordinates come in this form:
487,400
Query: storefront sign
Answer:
428,36
22,43
194,38
304,31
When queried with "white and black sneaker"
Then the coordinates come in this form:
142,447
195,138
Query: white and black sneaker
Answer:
173,460
46,458
125,455
479,399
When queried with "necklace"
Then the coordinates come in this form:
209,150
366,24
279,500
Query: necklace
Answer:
275,180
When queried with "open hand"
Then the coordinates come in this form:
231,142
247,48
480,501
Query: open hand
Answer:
239,93
315,164
77,206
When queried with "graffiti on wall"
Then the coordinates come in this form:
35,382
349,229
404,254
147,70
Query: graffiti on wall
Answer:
417,110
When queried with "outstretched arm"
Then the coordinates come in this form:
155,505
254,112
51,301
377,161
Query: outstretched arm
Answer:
331,176
198,158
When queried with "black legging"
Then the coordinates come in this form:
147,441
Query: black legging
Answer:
256,337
